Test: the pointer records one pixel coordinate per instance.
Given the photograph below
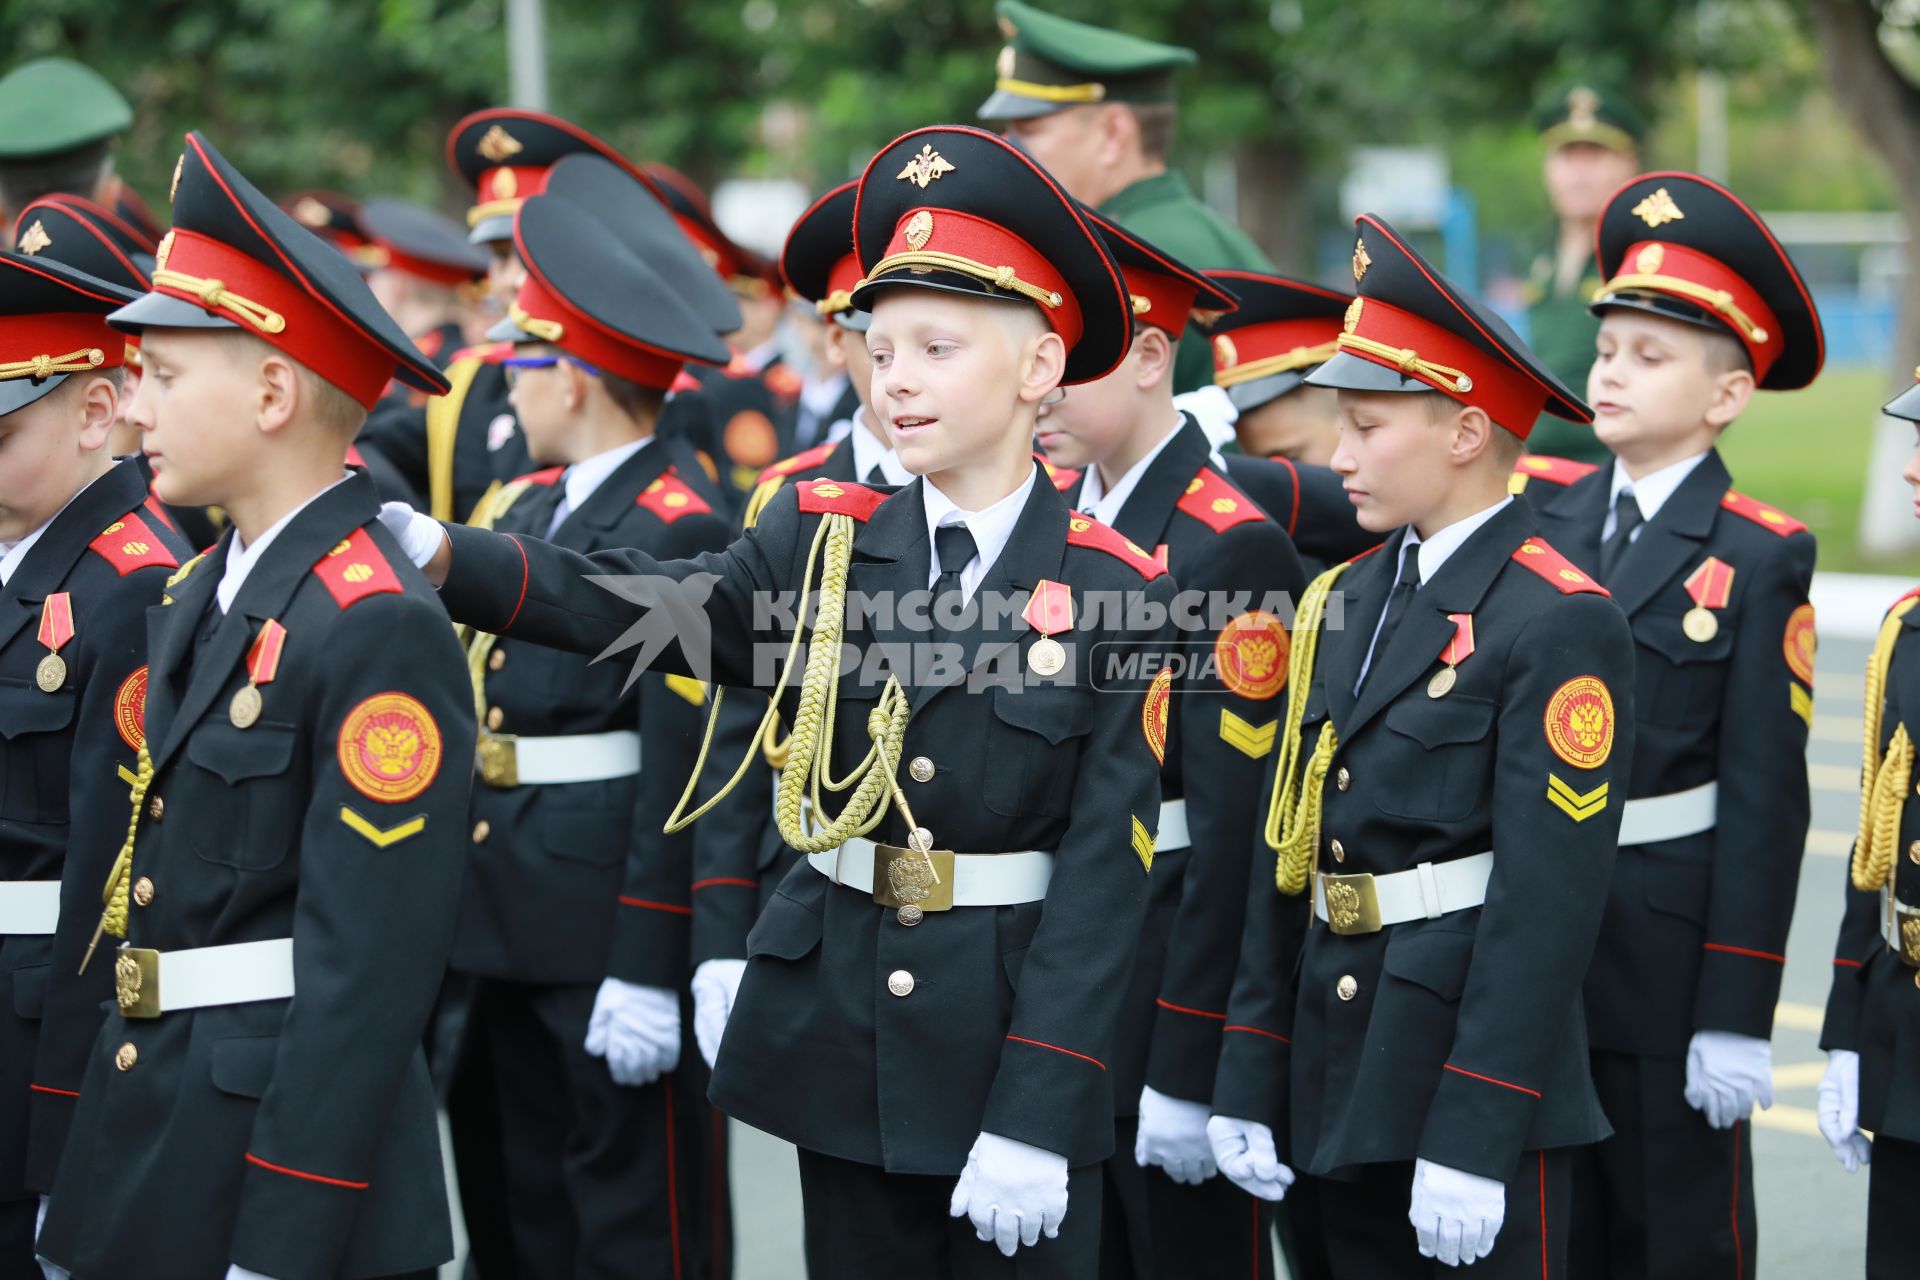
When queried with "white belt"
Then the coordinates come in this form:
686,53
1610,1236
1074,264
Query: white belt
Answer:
29,906
977,879
150,983
574,757
1368,903
1657,818
1173,827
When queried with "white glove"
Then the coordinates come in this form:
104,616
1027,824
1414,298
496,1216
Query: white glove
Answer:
1840,1110
1173,1135
1455,1215
419,535
51,1270
1244,1149
237,1272
1726,1075
636,1029
1011,1192
715,983
1213,409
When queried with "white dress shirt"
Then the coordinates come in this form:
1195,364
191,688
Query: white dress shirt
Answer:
13,554
580,480
1650,493
241,558
1104,504
869,452
990,529
1432,552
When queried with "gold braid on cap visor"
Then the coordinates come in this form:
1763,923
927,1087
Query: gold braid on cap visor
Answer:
38,367
1052,92
1285,362
834,303
545,330
492,209
1407,360
215,296
998,277
1717,300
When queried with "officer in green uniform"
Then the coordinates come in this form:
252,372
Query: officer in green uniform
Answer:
1096,109
47,148
1592,142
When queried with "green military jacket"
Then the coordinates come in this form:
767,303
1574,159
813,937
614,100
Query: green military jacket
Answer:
1560,330
1163,211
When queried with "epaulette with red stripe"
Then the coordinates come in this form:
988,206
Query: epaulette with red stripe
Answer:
544,476
1536,555
355,569
1084,531
669,498
1769,518
1214,501
805,460
158,510
129,543
838,497
1553,470
486,352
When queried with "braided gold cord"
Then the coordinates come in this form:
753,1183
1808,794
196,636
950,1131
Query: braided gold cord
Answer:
1880,802
113,919
1293,809
1407,360
44,366
215,296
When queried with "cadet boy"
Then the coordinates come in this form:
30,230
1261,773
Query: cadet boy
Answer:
1149,472
1871,1083
1096,108
1443,789
605,1129
80,562
909,1013
288,881
1263,350
1700,306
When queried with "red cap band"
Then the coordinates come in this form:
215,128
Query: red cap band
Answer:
63,338
1677,271
380,256
1417,349
1158,299
1276,346
949,240
579,335
501,190
840,282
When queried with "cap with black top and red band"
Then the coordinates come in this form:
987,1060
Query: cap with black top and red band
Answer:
53,323
506,154
236,260
1282,330
1161,290
818,260
1411,329
747,271
78,232
416,241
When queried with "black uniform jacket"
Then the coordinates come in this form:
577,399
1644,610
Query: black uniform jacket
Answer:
1240,570
1008,1012
1310,503
1459,1039
1695,934
570,882
452,449
294,1137
65,758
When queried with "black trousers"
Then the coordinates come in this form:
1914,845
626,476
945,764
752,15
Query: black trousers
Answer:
1368,1236
601,1180
1153,1228
862,1221
16,1238
1667,1197
1893,1228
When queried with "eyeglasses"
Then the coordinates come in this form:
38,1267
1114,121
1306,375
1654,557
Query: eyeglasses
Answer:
1053,397
512,366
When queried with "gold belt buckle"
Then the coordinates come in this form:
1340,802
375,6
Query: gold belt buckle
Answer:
136,982
1907,923
1352,904
499,756
908,878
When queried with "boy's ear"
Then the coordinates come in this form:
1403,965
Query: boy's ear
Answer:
98,407
1472,434
1731,393
1046,363
1153,357
277,392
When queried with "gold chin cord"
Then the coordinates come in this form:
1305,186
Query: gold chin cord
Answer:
1883,782
1293,810
809,748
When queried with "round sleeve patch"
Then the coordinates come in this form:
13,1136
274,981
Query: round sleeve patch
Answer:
1251,655
130,709
1153,714
390,748
1799,644
749,439
1580,722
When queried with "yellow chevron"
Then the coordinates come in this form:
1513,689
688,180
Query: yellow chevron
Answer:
689,688
1143,844
1572,803
1801,701
128,776
1251,739
382,839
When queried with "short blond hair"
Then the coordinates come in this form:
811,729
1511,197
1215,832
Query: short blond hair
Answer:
328,405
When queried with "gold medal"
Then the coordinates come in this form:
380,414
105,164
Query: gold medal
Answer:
1442,683
51,673
1046,657
1700,625
245,707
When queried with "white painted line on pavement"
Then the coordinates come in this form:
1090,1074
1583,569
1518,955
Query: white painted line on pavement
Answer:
1801,1017
1804,1120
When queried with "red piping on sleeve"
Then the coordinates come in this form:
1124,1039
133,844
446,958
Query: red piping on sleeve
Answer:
1198,1013
655,906
307,1177
1042,1044
1744,951
1517,1088
1271,1035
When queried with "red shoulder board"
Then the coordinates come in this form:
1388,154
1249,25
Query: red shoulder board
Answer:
1364,554
1553,470
544,476
129,543
355,569
683,382
839,498
806,460
1556,568
669,498
429,343
1213,501
486,353
1760,513
1064,478
1084,531
158,510
354,457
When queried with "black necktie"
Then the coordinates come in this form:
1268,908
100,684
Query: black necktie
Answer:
876,474
1397,601
955,546
1626,518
